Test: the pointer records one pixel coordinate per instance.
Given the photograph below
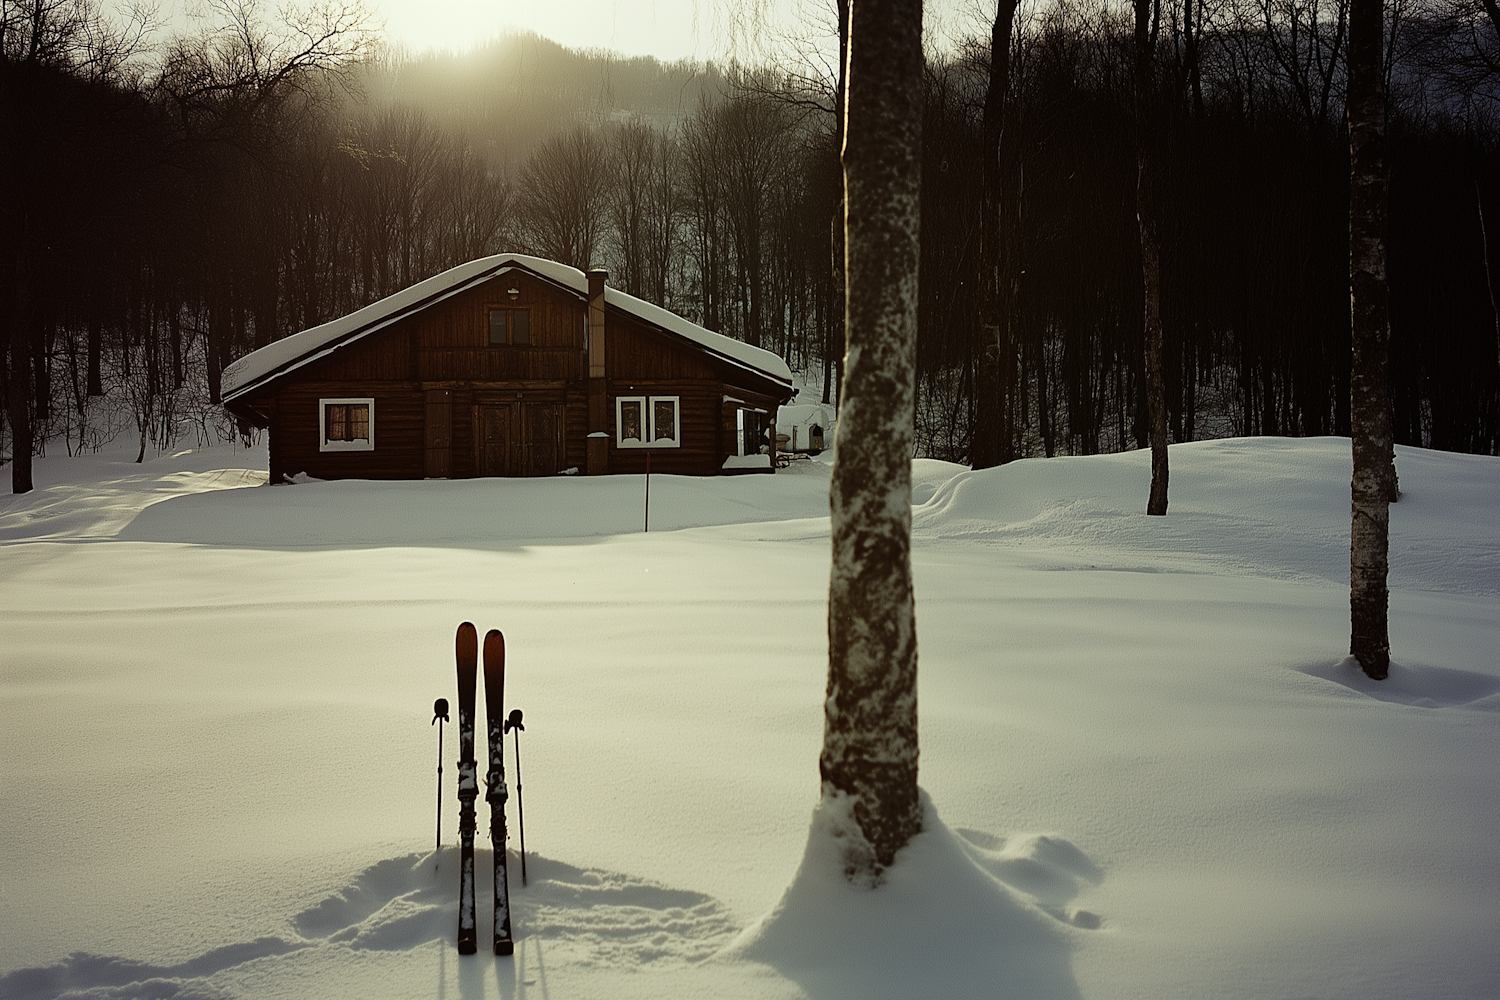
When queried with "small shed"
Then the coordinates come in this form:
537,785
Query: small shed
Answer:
508,366
806,427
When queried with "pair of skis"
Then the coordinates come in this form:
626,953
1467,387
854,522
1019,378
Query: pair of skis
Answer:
467,649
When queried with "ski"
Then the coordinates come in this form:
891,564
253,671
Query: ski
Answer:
466,646
494,701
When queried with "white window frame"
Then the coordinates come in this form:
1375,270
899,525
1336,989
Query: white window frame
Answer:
739,428
648,404
364,444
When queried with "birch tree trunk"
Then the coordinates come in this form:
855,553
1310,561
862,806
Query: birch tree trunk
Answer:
869,757
1148,215
1369,392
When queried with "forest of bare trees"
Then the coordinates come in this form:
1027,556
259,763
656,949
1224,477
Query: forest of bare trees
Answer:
169,208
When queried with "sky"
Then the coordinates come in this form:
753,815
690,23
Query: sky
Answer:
670,30
667,29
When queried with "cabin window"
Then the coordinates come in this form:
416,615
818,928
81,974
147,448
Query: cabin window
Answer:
750,425
648,422
346,424
510,326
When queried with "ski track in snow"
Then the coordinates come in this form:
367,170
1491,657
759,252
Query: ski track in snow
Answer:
596,917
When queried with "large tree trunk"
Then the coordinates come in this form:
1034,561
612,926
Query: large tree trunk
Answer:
1369,393
869,753
992,444
1148,215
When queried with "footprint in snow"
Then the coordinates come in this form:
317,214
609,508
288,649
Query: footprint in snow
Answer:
582,915
104,977
1049,869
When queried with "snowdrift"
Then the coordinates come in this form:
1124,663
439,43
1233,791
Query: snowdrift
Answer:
943,923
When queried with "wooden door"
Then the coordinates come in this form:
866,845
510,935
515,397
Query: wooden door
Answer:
543,449
439,433
498,441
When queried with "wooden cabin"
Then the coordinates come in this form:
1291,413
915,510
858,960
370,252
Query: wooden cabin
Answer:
510,366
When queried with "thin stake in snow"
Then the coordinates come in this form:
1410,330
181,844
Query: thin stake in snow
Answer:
439,716
648,493
513,724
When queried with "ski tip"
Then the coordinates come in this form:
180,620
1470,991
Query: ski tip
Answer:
494,647
467,641
467,946
505,946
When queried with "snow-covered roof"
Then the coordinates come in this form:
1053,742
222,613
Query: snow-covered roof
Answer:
291,353
738,351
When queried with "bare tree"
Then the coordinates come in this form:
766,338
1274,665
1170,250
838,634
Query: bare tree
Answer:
564,193
1370,403
752,129
661,245
64,80
992,438
633,147
1148,217
1305,40
234,91
702,154
472,208
233,80
869,759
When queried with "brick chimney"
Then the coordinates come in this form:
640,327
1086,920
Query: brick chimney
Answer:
598,440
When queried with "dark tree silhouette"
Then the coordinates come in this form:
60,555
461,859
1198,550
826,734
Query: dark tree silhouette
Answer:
992,433
1148,218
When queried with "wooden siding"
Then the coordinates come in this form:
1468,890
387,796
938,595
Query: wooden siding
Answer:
701,452
439,433
399,428
500,364
557,315
636,351
453,339
383,356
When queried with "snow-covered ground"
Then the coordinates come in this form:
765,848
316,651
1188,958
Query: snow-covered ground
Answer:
1150,773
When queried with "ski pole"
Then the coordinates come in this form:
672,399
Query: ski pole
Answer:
440,712
514,723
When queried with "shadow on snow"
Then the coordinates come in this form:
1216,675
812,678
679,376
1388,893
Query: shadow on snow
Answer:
966,914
